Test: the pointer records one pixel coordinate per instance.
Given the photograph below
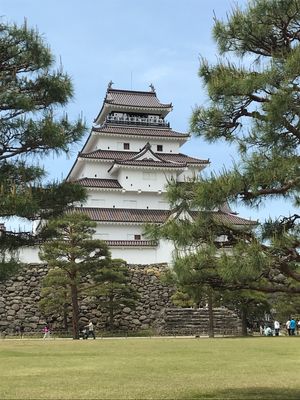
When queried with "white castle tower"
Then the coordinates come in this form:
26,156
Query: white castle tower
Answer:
125,164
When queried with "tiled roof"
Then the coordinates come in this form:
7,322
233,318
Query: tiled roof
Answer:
138,131
124,214
99,183
148,162
125,155
131,243
108,154
134,99
227,219
152,216
226,209
182,158
232,219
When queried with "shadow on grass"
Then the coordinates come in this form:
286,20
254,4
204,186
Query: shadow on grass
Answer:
247,394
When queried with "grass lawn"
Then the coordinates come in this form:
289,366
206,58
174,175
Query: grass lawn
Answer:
150,368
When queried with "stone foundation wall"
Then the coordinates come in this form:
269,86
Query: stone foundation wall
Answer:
189,321
153,310
19,301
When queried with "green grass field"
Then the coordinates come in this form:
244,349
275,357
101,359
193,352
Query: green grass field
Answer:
150,368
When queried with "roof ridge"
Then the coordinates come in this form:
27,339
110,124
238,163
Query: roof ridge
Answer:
108,151
93,178
141,127
162,156
160,210
148,92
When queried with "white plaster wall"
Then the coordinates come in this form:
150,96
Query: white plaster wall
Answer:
118,232
133,255
160,254
116,143
30,255
118,199
189,173
135,179
95,169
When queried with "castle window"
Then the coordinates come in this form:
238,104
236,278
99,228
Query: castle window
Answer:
159,147
126,146
137,237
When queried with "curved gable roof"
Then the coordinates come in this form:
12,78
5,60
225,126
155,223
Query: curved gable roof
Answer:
125,155
116,98
140,131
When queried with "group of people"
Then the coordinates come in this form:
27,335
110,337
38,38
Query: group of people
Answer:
86,332
292,328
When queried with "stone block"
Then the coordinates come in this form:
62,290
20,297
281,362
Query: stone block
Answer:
136,321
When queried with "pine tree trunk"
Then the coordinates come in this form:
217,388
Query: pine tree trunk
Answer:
211,331
244,322
65,317
75,311
111,313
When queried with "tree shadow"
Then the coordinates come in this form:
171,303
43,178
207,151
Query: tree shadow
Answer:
258,393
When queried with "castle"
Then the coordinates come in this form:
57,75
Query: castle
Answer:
125,165
128,159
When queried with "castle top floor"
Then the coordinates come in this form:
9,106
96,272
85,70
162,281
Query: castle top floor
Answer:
132,107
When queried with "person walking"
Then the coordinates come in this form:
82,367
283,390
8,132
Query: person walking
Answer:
261,329
292,326
90,331
21,330
287,325
46,331
276,327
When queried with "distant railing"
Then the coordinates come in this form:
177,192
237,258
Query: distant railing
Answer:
133,243
137,121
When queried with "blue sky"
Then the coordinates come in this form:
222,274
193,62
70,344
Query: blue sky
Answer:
133,43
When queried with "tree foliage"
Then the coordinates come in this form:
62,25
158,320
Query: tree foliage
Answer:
32,124
76,254
55,297
113,289
253,93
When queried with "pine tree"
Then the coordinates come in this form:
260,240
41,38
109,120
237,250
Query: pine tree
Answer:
55,298
253,95
32,125
113,289
76,254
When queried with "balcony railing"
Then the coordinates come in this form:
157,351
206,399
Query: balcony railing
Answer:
137,121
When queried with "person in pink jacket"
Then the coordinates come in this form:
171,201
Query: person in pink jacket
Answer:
46,331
